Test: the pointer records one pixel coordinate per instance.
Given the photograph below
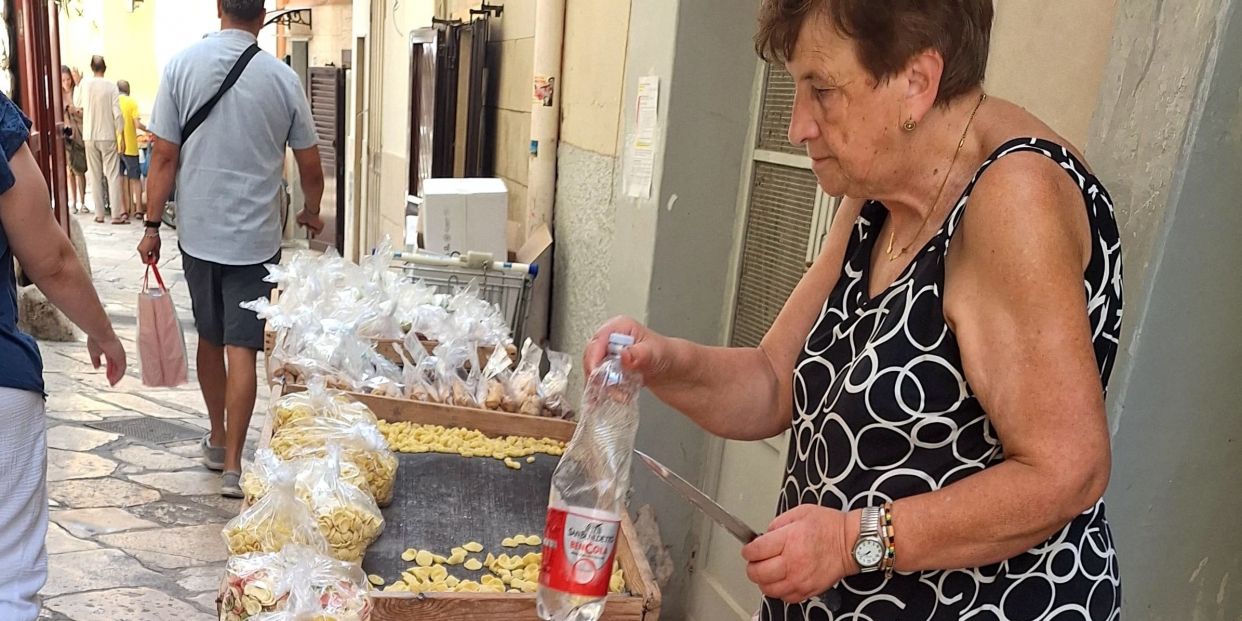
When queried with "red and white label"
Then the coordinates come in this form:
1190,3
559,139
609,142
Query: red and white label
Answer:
578,549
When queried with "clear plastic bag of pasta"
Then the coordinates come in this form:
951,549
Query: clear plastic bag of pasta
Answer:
554,386
252,585
457,372
261,583
319,400
418,375
276,520
490,391
522,394
257,479
348,517
361,443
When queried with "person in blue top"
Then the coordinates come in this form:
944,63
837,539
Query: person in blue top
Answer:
30,234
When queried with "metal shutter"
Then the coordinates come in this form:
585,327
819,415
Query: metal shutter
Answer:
778,225
323,110
778,97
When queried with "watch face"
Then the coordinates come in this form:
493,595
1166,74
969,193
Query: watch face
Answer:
869,552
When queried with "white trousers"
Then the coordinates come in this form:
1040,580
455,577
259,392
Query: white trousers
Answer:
104,164
23,504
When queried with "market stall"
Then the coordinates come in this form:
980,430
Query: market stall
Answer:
408,441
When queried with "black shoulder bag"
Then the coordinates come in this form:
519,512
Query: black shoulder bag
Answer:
229,81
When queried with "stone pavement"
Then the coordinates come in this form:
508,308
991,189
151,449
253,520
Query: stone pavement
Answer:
135,530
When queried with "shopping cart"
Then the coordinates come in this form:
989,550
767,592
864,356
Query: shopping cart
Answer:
505,284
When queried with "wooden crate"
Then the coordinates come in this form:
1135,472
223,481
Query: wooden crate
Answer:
642,603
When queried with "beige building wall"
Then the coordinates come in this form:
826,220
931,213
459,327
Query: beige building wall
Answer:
332,32
392,24
1048,56
512,48
596,34
124,39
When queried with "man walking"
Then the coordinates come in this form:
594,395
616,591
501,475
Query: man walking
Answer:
131,168
228,177
101,124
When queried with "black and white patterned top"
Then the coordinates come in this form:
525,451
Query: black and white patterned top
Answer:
882,410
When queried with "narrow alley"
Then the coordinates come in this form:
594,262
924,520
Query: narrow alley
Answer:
135,519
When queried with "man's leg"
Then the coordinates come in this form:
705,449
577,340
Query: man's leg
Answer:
94,176
23,504
242,386
243,337
139,202
126,206
212,380
204,280
112,172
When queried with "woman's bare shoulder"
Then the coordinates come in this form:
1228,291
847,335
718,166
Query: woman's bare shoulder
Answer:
1009,121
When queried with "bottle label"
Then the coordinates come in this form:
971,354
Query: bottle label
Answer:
578,549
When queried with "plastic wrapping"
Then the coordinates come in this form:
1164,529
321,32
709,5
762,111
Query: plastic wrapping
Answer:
522,394
348,517
257,479
554,386
418,371
457,372
361,443
490,391
318,400
276,520
295,581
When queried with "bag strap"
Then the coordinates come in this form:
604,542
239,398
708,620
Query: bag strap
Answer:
160,281
229,81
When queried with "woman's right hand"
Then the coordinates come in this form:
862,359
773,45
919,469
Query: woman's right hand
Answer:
649,355
108,351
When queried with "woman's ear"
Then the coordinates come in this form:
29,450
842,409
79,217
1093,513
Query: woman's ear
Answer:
922,75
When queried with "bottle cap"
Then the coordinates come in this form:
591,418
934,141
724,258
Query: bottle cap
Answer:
620,340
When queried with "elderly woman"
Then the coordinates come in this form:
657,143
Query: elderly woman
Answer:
941,367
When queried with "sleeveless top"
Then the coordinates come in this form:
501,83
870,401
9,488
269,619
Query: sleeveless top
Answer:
21,367
882,410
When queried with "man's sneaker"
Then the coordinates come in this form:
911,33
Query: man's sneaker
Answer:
213,456
230,485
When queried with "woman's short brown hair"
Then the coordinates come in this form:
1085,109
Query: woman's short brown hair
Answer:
888,33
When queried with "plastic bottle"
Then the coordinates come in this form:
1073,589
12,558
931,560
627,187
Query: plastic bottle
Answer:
588,495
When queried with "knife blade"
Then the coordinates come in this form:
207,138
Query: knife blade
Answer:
703,502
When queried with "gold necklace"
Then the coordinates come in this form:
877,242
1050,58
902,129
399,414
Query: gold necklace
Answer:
892,236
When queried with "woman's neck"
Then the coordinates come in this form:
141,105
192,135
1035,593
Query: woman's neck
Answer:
935,169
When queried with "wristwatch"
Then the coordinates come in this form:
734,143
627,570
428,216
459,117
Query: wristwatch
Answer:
869,549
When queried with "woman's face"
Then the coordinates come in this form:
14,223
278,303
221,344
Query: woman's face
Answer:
66,80
847,122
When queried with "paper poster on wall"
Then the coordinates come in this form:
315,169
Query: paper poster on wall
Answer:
545,90
640,164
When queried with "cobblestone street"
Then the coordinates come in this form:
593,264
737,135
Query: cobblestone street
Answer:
135,518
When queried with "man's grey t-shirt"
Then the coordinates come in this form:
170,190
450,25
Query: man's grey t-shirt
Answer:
228,181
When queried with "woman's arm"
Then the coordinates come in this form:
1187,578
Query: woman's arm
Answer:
1015,300
47,257
735,393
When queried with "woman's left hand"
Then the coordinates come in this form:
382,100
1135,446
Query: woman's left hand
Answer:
803,554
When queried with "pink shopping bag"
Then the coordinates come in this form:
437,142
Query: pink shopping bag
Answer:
161,343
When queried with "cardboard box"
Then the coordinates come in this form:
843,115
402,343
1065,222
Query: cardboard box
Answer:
463,215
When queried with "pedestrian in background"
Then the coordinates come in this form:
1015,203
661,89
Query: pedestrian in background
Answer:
131,167
100,102
29,233
228,175
75,148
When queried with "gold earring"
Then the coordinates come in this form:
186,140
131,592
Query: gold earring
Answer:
909,125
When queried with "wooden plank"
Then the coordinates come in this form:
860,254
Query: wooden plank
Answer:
484,606
641,603
489,422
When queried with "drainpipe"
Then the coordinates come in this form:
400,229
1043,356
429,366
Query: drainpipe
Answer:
545,117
